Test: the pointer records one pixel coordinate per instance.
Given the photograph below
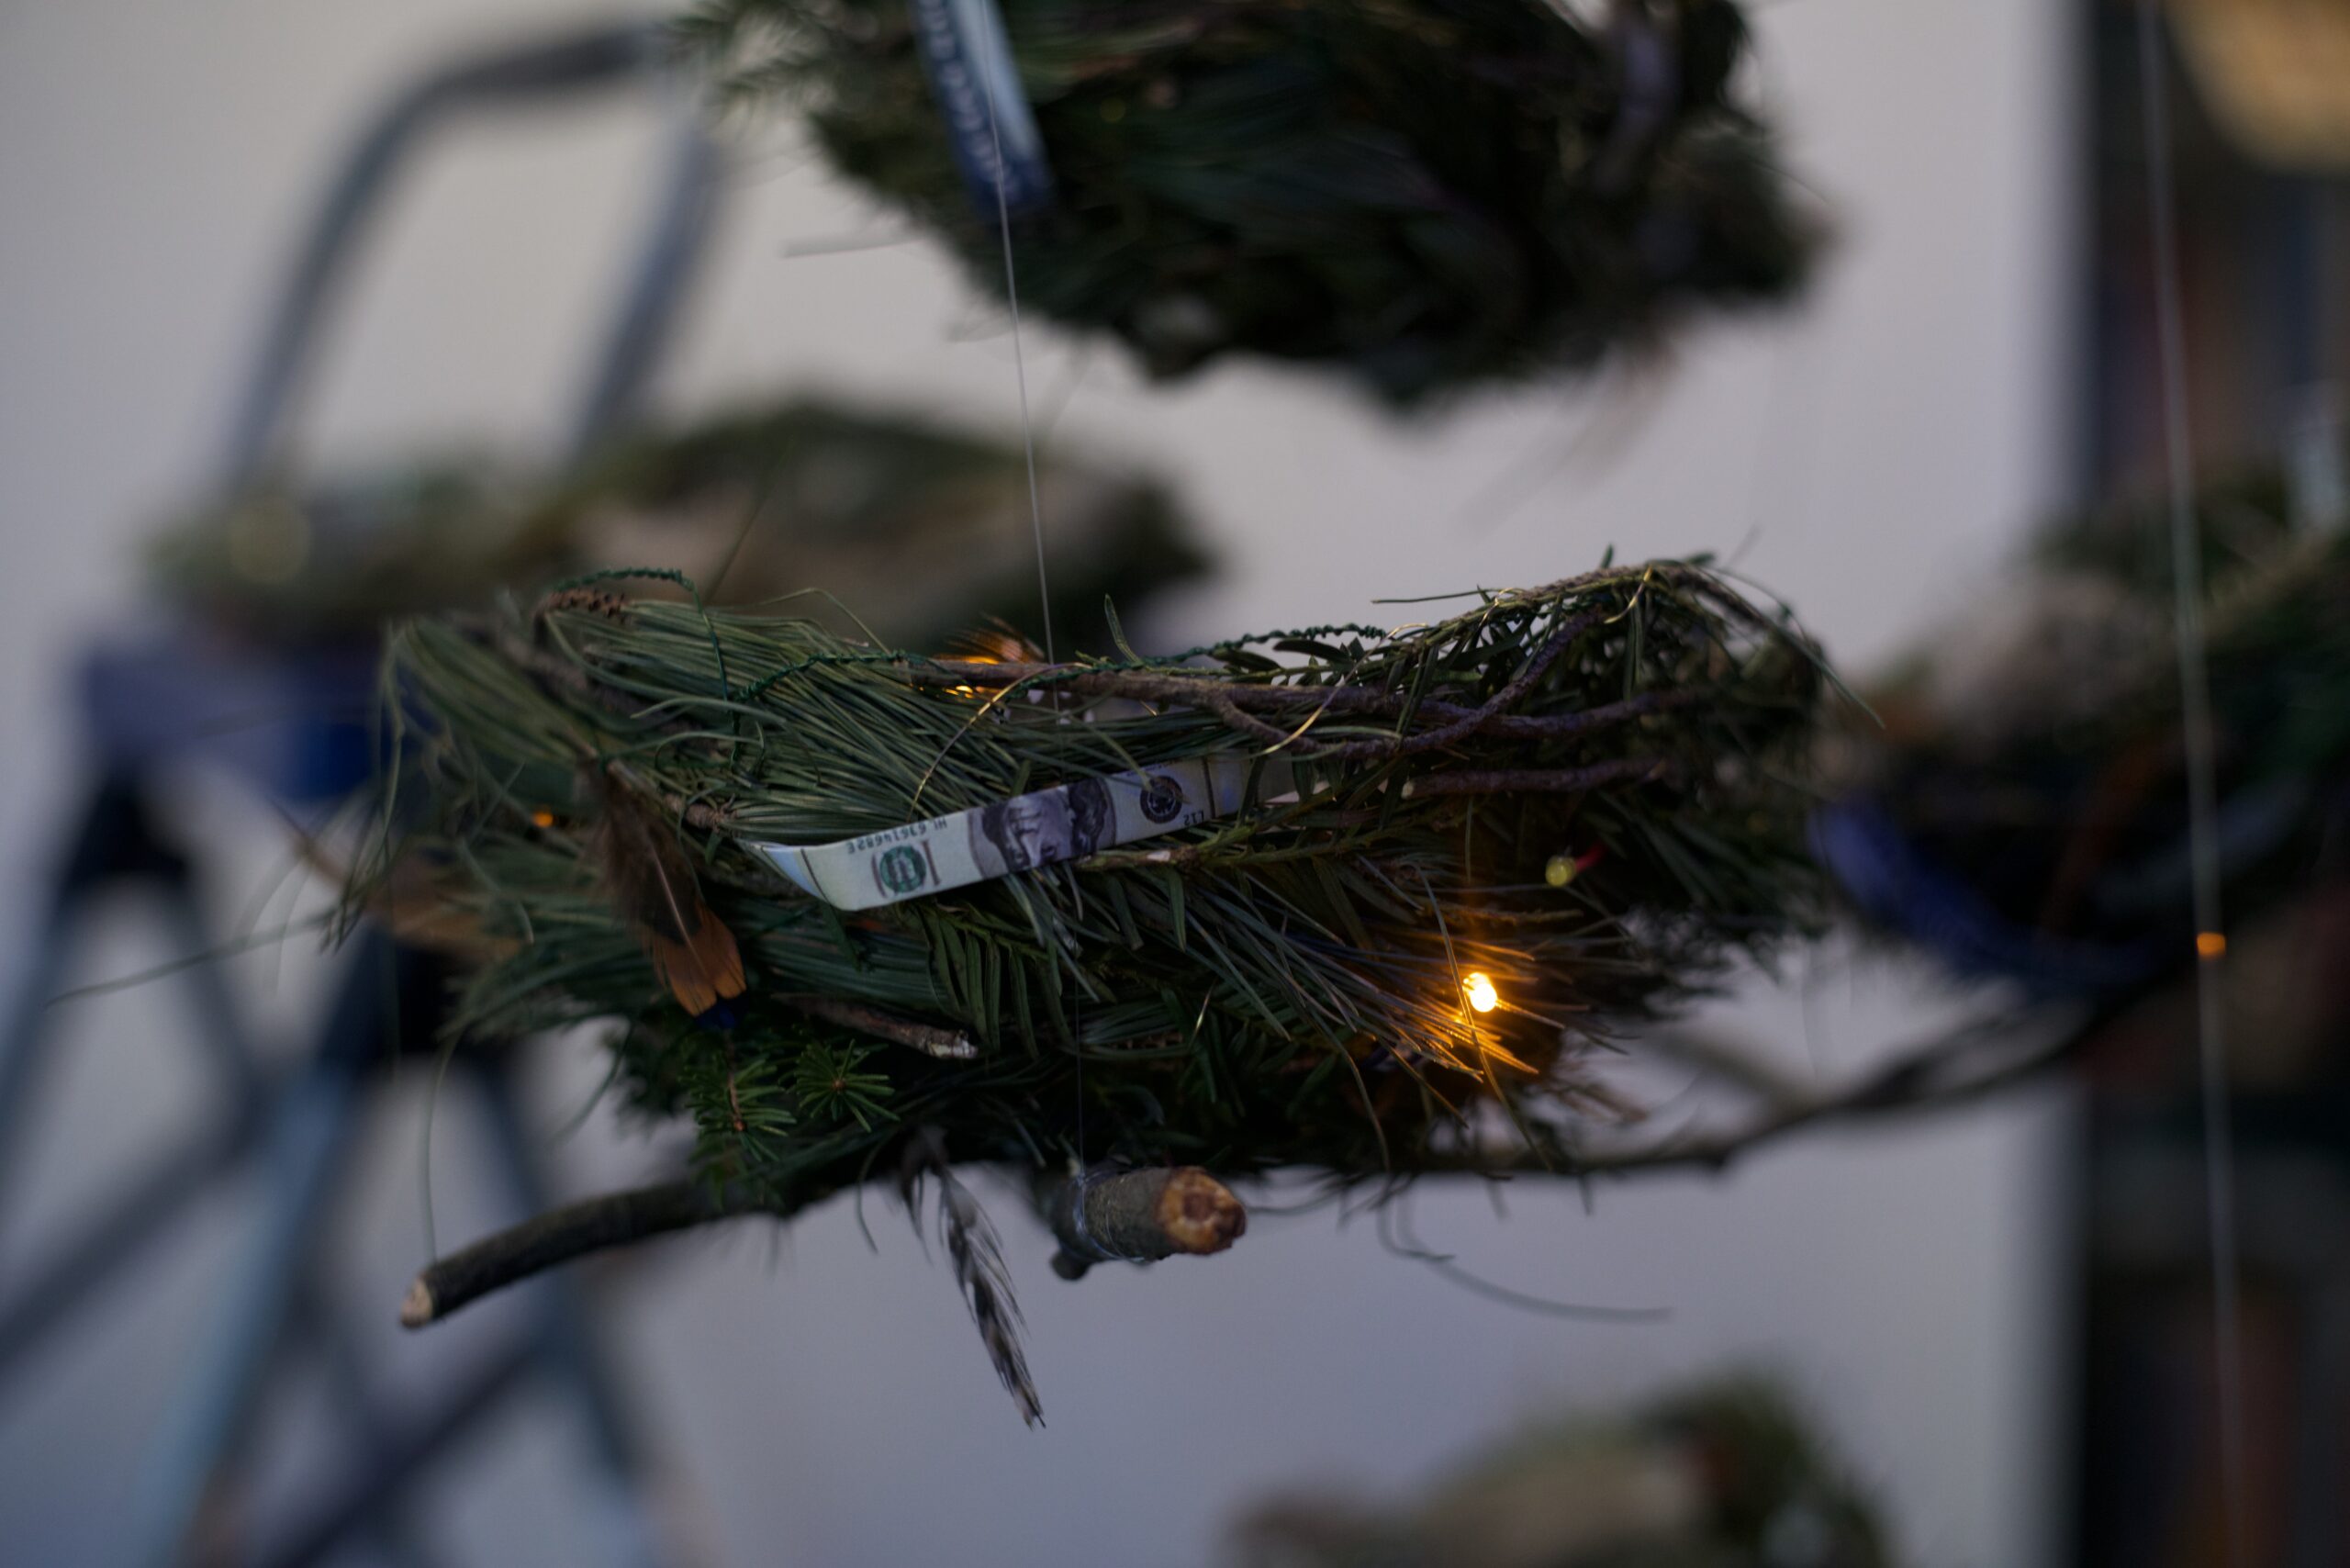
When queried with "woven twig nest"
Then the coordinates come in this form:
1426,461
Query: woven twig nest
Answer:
1419,193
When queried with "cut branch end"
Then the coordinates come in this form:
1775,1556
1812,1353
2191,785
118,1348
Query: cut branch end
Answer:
417,1308
1140,1216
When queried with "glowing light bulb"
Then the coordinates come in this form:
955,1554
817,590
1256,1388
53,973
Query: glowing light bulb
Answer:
543,818
1480,992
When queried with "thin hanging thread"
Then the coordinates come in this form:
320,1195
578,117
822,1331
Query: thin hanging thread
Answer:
2186,571
987,70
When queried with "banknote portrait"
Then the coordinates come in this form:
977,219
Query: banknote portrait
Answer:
1042,828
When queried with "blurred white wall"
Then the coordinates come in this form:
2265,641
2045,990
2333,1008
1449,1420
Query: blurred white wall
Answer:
1868,458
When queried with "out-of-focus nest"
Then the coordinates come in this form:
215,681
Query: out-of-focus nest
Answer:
760,502
2025,812
1421,194
1726,1474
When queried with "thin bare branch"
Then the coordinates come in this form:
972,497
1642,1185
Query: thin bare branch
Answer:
1140,1214
559,1236
1978,1061
947,1044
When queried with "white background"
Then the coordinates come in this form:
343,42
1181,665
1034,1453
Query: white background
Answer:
1871,456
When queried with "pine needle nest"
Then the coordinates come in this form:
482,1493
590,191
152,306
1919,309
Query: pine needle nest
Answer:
1573,804
1422,193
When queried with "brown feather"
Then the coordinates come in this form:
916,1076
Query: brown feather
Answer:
418,905
995,644
652,884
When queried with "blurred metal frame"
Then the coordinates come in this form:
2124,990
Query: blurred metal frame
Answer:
550,72
301,1123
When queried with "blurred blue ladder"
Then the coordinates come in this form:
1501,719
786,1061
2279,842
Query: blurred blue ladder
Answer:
165,700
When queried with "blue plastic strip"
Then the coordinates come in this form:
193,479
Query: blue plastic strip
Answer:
1886,876
967,55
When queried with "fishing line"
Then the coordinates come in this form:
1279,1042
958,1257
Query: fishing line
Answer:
2194,680
990,37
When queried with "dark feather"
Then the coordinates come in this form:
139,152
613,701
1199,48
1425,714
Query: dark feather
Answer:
652,884
977,1261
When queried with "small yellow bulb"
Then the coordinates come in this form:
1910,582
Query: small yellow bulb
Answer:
543,818
1480,992
2209,944
1563,868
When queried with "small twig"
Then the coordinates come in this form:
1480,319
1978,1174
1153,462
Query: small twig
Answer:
1140,1216
559,1236
1219,702
946,1045
1554,782
1234,702
1518,686
1935,1077
1227,700
1743,1065
1195,690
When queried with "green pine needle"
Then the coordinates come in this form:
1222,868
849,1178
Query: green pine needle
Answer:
831,1084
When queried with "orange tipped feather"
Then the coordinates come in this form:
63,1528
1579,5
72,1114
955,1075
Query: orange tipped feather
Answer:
702,971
